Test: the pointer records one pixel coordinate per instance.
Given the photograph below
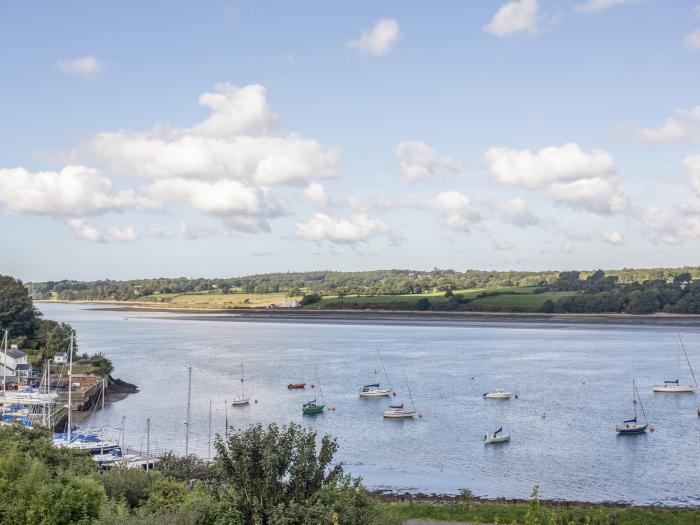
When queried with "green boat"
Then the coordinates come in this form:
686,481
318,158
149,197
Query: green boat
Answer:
312,407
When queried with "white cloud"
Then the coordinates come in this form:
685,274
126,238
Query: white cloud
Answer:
419,161
513,18
516,212
692,166
87,66
592,6
551,164
321,227
692,40
230,143
596,195
568,175
501,244
85,231
456,210
612,237
379,40
317,195
73,191
112,233
671,131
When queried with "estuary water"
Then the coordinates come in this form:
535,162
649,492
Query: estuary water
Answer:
574,383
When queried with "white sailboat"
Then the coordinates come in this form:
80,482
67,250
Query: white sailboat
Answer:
241,400
398,411
673,386
374,390
496,437
498,394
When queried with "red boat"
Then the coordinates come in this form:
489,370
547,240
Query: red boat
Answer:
292,386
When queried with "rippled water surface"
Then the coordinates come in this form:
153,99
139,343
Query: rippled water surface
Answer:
578,377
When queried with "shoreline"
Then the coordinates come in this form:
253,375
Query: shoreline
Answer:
402,317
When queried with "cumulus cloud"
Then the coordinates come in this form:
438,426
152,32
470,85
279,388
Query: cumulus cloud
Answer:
612,237
316,194
551,164
596,195
518,17
456,210
516,212
379,40
593,6
233,142
692,40
198,230
112,233
584,181
321,227
87,66
683,126
73,191
419,161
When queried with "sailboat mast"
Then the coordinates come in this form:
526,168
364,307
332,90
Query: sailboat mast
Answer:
323,401
48,390
102,416
384,368
634,400
640,403
148,443
242,383
70,387
410,396
187,424
695,381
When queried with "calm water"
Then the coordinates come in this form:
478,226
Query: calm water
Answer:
573,453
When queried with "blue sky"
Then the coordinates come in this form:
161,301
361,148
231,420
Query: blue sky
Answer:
149,139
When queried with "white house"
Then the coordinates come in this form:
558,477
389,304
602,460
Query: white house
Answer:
60,358
16,363
289,303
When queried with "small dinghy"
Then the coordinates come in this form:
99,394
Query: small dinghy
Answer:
295,386
496,437
498,394
632,426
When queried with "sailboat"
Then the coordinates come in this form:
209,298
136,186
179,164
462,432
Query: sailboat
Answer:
496,437
497,394
672,386
374,390
398,411
312,407
632,426
242,399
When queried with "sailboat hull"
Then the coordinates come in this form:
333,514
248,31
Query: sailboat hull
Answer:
674,389
499,438
312,410
240,402
631,429
379,392
399,414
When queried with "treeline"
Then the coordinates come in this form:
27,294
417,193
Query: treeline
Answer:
376,282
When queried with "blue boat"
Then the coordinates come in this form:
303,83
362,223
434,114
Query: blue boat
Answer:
632,426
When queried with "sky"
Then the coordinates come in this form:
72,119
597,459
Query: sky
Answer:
223,138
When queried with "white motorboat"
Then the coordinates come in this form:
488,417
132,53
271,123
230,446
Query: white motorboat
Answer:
241,400
498,394
673,386
496,437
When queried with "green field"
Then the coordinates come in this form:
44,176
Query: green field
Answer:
215,300
523,300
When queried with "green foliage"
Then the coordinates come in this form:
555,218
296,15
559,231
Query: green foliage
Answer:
279,476
423,303
102,365
17,312
53,337
310,299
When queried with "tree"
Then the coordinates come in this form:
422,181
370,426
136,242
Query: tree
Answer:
548,306
310,299
423,303
280,475
17,312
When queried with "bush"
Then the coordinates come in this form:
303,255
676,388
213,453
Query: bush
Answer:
423,303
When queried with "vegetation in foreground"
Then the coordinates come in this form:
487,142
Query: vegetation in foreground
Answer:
272,476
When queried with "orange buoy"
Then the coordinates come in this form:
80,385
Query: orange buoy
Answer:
333,408
256,401
542,416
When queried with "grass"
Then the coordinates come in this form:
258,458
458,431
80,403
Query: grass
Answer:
508,513
216,300
524,300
